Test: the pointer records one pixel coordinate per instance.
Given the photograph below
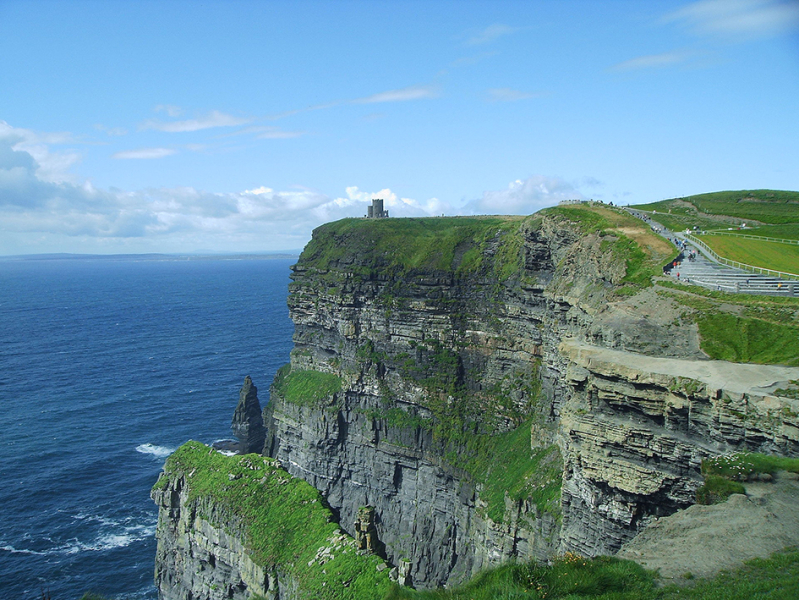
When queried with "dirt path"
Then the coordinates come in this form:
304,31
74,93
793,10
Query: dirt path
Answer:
703,540
733,377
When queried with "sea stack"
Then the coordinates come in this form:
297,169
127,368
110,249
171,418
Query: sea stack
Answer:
248,424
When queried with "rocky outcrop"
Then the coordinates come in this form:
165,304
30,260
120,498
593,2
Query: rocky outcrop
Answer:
248,423
223,533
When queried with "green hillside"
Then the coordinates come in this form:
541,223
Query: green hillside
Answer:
755,207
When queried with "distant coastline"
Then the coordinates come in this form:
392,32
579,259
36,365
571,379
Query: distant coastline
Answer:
156,256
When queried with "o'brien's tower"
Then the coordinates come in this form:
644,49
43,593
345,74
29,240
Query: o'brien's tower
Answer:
376,210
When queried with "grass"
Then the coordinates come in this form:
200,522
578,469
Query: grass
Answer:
445,244
717,489
305,388
764,206
725,336
789,231
570,576
740,466
573,577
758,253
282,520
724,474
504,464
741,327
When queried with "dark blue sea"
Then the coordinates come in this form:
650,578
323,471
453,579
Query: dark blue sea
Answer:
106,366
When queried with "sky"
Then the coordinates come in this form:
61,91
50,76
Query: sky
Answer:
235,126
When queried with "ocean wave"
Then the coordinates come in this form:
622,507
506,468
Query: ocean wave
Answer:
12,550
157,451
120,538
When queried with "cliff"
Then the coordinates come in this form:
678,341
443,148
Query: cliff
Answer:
454,374
495,388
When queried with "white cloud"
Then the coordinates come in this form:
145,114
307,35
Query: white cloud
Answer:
273,133
50,166
739,18
524,197
144,153
86,219
82,218
416,92
511,95
170,109
114,131
652,61
209,121
491,33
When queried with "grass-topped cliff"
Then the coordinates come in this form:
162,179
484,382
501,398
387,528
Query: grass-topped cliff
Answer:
283,522
494,389
466,269
490,246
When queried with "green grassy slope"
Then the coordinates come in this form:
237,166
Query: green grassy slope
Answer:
411,245
758,253
764,206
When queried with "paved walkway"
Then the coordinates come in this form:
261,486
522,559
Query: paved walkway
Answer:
706,272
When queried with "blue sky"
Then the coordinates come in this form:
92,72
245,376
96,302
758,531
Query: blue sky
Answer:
240,126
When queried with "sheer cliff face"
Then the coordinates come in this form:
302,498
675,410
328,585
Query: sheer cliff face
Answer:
461,401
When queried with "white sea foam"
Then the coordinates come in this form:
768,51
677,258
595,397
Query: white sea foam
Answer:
119,537
12,550
157,451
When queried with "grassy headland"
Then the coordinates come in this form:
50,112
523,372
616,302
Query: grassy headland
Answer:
284,521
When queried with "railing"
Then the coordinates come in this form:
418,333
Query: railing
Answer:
735,263
752,237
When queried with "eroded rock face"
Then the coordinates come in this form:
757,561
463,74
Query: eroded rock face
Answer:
248,423
410,345
636,428
196,560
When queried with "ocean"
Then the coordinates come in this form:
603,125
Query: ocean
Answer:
106,366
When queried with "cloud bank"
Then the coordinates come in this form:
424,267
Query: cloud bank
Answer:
39,201
44,209
524,197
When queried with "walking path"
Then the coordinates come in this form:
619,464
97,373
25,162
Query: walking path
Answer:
704,271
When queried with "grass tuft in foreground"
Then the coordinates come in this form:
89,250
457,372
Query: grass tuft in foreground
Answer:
724,473
572,577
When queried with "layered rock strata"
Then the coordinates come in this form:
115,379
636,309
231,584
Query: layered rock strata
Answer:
411,346
468,392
